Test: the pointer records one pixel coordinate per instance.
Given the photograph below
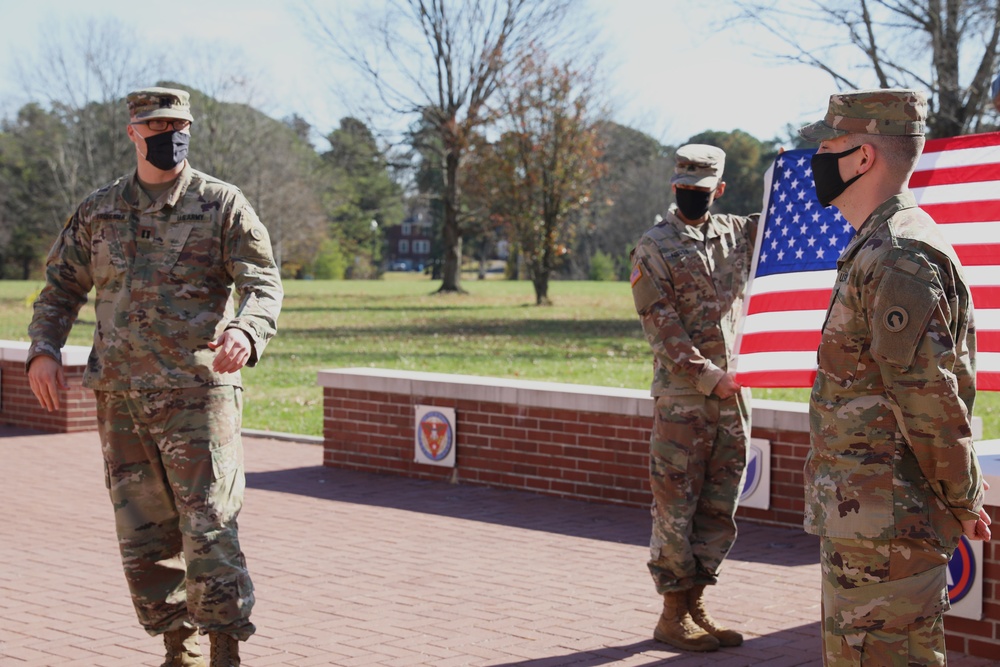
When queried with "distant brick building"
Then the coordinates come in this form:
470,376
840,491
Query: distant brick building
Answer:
408,245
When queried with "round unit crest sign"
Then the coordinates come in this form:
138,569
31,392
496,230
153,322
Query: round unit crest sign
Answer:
961,571
434,436
756,491
965,583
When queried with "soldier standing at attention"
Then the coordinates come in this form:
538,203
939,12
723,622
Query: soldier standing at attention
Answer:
164,247
689,274
891,479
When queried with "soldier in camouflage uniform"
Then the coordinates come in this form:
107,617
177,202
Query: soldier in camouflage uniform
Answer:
891,479
164,247
689,274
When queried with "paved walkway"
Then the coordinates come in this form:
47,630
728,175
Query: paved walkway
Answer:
356,569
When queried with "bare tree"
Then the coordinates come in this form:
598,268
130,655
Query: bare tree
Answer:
75,134
947,47
83,73
70,137
443,59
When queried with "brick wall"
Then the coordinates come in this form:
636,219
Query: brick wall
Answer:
587,443
18,406
551,450
541,441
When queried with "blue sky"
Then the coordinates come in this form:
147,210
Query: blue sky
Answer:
670,72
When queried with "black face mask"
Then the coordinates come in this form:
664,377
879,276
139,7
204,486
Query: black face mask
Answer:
826,174
693,203
167,149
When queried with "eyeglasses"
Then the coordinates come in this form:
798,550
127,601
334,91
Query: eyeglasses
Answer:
159,124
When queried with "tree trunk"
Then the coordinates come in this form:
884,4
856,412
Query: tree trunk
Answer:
540,279
485,250
451,265
451,235
949,121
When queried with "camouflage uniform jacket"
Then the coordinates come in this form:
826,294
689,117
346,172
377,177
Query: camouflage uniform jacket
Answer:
688,283
164,271
891,438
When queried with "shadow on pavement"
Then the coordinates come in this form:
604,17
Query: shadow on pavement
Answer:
754,648
515,508
520,509
15,432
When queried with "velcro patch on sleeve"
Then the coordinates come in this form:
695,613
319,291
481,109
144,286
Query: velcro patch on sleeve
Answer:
902,310
646,290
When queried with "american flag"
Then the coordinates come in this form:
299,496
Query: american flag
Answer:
957,181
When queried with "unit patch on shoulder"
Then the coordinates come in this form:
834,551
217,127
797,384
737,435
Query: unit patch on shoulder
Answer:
895,319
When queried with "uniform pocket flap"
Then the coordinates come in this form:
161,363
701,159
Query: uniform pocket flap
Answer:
227,458
890,604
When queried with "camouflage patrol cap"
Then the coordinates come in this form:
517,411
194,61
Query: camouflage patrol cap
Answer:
891,111
156,102
699,165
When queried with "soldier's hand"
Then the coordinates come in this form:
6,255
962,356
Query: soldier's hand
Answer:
727,386
46,377
978,529
233,351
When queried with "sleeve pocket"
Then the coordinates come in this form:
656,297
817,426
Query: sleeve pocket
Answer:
902,310
646,290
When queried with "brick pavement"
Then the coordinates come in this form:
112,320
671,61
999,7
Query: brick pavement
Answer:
357,569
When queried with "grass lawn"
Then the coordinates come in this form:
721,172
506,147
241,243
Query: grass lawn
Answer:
589,336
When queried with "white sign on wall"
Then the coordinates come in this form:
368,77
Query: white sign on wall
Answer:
965,580
434,436
757,477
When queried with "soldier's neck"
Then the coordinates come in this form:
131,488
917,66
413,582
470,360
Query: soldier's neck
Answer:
151,176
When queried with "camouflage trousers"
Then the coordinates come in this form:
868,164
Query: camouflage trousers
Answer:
173,462
883,602
698,453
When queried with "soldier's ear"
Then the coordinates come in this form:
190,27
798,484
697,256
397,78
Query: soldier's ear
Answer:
721,188
869,155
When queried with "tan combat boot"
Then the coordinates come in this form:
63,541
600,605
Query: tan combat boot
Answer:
700,615
676,628
225,650
182,648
